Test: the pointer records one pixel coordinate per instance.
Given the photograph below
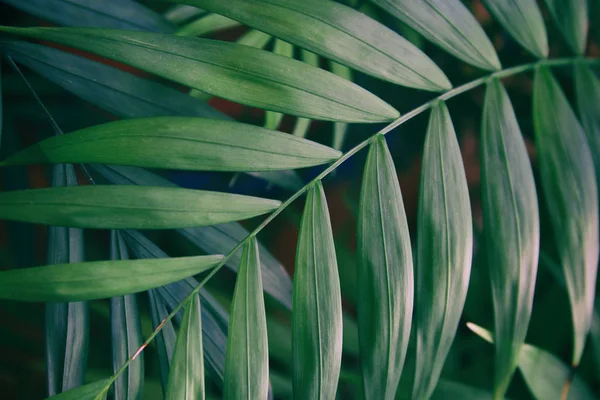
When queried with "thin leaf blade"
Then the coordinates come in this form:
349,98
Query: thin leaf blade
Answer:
247,360
587,91
385,275
317,316
89,391
571,17
571,194
247,75
448,24
445,242
511,227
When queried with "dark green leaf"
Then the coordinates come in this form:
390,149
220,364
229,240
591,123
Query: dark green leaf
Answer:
511,228
136,207
98,279
337,32
569,185
179,143
208,23
571,17
67,330
450,25
595,338
1,108
524,21
247,362
247,75
186,378
385,275
444,250
126,335
111,89
447,390
587,90
317,316
86,392
116,14
217,239
165,340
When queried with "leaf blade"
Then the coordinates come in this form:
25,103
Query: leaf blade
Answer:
248,76
587,92
448,24
572,20
569,186
444,216
247,359
385,273
85,392
317,316
511,226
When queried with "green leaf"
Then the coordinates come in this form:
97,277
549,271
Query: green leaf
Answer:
547,376
385,275
447,390
273,119
166,338
209,23
247,75
569,185
86,392
448,24
186,378
134,207
511,228
254,38
339,33
118,92
587,91
103,14
524,21
595,338
179,143
571,18
317,316
98,279
247,362
1,107
444,250
66,324
126,334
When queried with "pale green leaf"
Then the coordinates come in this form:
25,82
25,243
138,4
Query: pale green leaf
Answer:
247,360
450,25
179,143
302,126
571,18
444,250
126,334
587,91
254,38
180,13
511,228
273,119
524,21
385,275
317,302
98,279
339,33
134,207
186,377
85,392
246,75
206,24
571,195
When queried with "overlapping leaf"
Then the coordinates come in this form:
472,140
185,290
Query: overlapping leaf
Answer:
524,21
571,195
165,339
571,17
136,207
587,91
208,23
66,327
126,335
179,143
247,362
511,227
246,75
317,316
450,25
273,119
217,239
186,378
337,32
98,279
444,250
85,392
385,275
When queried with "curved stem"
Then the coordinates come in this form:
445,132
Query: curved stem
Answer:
393,125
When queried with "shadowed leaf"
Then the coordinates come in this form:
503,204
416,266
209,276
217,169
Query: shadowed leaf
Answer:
571,17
